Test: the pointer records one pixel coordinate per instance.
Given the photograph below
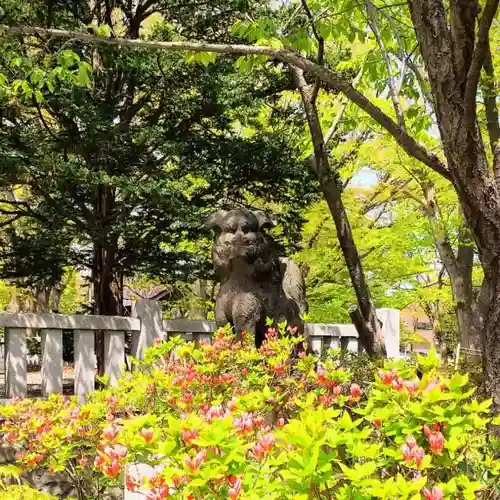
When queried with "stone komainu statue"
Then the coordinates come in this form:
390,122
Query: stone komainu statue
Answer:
255,284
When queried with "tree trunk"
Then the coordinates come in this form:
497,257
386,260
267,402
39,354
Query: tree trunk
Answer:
107,295
364,315
42,295
55,299
458,266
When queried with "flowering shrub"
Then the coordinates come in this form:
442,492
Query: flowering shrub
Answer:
229,421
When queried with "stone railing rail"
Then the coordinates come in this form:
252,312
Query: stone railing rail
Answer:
145,325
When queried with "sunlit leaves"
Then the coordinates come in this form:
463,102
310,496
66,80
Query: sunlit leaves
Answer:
32,79
204,58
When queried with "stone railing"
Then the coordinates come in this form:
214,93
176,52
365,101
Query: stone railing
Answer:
51,328
145,326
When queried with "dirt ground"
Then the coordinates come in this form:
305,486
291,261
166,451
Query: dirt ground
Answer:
35,381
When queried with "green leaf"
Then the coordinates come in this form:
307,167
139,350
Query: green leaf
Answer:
67,58
83,75
39,96
458,381
103,30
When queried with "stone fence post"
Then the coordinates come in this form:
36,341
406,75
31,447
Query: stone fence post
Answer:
150,314
390,328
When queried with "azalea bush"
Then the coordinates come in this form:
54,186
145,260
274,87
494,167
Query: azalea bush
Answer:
228,421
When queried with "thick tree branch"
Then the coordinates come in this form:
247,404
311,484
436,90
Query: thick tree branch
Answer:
496,163
367,326
478,56
434,39
408,143
463,21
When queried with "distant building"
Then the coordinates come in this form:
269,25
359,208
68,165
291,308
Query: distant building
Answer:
415,320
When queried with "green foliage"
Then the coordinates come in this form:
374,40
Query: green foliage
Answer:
72,296
23,492
134,167
228,421
18,491
5,294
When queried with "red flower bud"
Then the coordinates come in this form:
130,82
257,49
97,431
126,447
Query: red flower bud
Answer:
412,452
436,441
194,463
189,436
435,494
244,424
410,441
112,470
99,461
387,377
11,436
235,490
280,422
398,384
147,434
412,386
110,432
355,392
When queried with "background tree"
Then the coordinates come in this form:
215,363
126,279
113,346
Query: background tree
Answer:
118,173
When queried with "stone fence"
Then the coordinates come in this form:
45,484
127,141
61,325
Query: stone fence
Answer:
145,325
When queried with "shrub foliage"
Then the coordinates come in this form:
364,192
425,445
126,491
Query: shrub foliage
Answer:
229,421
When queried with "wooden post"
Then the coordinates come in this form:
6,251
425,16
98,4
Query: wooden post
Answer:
84,362
52,361
149,312
16,364
114,355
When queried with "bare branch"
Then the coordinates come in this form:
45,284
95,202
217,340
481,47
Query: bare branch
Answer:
321,48
42,119
373,23
406,60
367,324
408,143
478,56
14,202
338,117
